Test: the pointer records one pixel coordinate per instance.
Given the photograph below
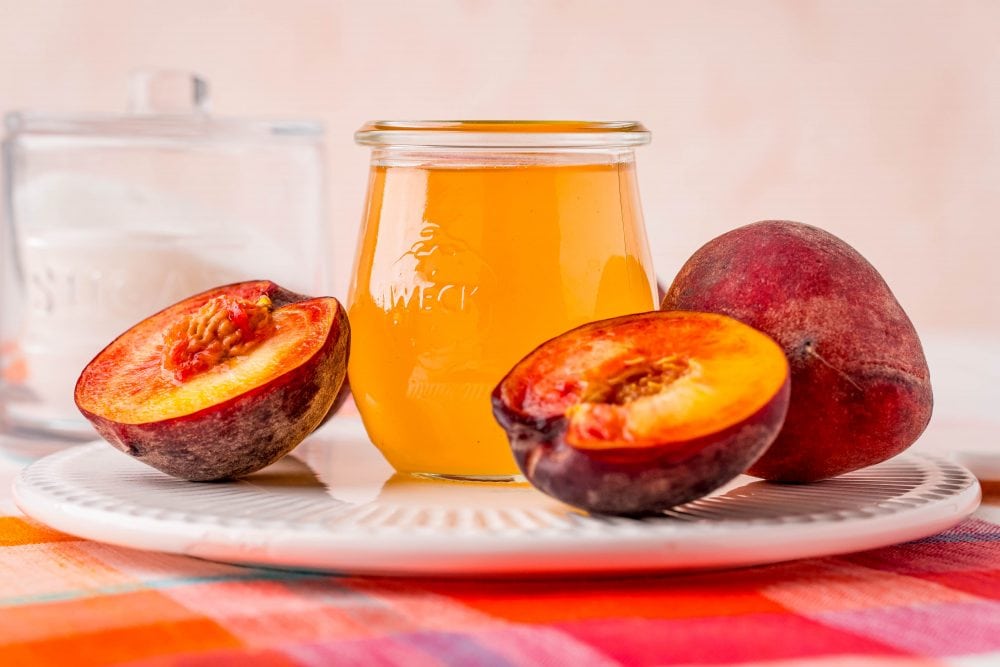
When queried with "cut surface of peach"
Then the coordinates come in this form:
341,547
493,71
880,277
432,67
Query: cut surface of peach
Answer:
643,412
648,380
128,383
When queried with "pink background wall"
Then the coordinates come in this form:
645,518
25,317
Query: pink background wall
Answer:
879,121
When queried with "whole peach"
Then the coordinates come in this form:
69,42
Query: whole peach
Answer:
861,389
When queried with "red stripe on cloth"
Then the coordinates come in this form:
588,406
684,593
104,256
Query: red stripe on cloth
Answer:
985,585
543,602
753,637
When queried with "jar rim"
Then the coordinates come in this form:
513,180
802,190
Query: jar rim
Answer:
503,133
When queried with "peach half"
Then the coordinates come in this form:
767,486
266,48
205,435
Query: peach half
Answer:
221,384
640,413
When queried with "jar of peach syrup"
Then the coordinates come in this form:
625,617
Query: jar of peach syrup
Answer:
481,240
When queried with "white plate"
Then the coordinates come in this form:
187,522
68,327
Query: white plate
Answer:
335,506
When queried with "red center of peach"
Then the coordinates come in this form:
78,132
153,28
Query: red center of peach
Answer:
222,328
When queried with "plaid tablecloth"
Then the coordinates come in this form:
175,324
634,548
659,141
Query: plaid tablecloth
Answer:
69,601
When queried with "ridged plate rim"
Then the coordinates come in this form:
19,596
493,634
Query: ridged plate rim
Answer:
537,538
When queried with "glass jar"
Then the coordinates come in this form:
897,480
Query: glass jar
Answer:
112,217
481,240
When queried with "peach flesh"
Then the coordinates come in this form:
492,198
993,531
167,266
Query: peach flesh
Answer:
239,414
861,390
640,413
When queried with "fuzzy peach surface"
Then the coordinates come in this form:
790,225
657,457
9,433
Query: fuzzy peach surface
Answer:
861,390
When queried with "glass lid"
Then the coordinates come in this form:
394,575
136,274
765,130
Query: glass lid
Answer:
161,104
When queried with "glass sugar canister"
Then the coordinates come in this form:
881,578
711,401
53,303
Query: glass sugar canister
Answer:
112,217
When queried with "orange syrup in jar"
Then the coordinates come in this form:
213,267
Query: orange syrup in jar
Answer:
464,266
